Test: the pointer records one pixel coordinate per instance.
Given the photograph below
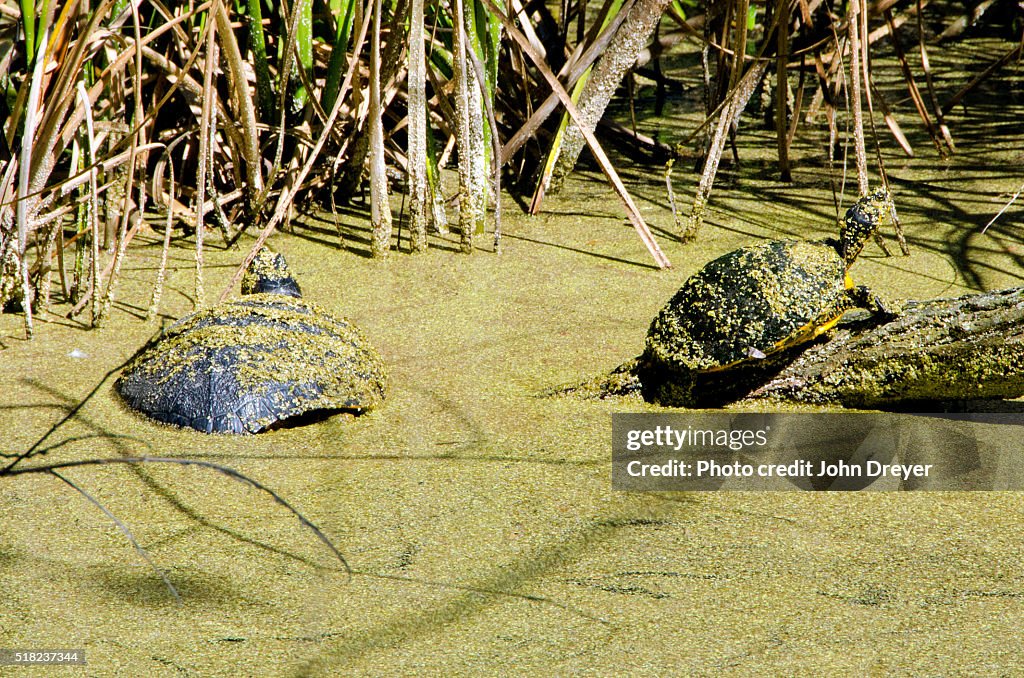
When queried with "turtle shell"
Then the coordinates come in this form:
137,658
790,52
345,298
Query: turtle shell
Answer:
750,303
244,365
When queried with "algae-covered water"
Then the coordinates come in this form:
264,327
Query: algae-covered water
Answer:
477,515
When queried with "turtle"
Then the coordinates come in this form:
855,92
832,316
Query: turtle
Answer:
760,300
250,364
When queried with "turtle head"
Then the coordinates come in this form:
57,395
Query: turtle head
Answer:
268,272
862,221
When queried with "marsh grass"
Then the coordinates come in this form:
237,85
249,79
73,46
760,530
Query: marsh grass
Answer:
258,107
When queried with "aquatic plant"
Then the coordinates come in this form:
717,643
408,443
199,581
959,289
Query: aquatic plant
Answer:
257,107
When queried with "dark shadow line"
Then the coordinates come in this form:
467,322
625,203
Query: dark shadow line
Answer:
157,487
398,457
605,257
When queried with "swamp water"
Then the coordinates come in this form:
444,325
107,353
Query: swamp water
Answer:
477,515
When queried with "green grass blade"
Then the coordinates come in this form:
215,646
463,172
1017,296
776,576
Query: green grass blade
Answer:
258,45
28,18
613,9
304,47
338,62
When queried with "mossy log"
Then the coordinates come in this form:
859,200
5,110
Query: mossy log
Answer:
967,348
942,350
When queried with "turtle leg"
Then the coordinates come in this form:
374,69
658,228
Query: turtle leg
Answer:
863,297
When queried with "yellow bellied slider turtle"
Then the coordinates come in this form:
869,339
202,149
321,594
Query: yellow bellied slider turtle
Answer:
244,365
759,300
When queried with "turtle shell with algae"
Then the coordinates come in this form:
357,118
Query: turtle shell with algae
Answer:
763,299
750,303
246,365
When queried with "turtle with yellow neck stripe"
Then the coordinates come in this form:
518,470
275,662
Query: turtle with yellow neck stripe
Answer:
760,300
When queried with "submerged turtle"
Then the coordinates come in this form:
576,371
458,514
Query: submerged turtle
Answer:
759,300
244,365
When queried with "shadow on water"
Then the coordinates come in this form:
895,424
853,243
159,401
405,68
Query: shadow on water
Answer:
577,250
488,591
202,588
206,589
507,581
354,235
124,446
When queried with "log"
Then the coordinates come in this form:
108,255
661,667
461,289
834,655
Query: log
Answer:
967,348
936,351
